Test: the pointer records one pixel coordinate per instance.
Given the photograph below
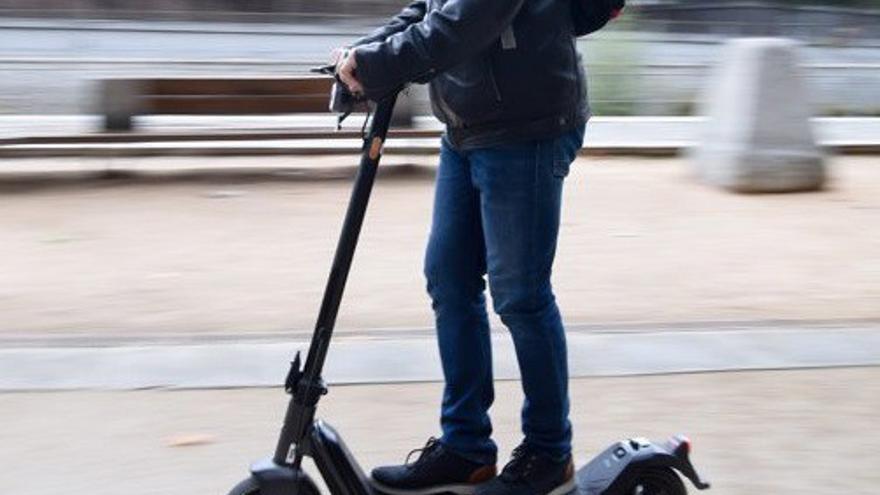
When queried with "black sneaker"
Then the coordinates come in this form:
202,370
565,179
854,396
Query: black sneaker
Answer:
531,473
436,470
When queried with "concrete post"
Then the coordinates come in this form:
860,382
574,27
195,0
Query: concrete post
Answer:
119,102
758,137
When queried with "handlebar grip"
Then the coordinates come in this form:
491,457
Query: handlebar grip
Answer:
329,69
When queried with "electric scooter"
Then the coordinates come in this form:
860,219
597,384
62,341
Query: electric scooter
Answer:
630,467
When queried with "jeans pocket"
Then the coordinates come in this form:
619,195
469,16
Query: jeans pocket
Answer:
561,167
565,150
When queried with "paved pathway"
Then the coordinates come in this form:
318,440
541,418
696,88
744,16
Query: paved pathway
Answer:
810,432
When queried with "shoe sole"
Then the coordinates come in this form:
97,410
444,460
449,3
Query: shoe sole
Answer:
457,489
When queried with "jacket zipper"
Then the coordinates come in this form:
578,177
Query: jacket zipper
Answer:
493,81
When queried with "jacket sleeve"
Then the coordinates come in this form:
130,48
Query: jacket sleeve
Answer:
447,36
413,13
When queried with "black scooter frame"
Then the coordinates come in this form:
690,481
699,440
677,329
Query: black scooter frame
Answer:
300,434
613,472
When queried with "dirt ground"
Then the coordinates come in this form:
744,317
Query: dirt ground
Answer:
753,433
641,242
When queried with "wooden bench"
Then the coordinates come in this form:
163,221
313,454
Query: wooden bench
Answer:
122,99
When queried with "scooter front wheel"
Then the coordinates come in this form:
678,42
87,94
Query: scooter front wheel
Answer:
656,481
247,486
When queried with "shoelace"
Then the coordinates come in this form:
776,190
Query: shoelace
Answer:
423,452
520,464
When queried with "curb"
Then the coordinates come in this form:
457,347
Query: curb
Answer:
311,135
298,147
413,358
343,146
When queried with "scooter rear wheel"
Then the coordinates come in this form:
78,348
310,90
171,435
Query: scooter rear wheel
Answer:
656,481
247,486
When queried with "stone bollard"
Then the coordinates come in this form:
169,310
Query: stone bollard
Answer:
758,136
119,101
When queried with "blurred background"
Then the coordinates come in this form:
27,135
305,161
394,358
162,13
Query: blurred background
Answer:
52,51
171,189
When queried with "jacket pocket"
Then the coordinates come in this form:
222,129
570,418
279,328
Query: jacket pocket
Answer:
471,92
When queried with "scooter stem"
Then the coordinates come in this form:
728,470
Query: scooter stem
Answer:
348,238
307,386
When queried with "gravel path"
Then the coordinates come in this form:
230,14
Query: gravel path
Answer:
641,242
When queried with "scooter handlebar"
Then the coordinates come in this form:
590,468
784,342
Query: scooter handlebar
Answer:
342,100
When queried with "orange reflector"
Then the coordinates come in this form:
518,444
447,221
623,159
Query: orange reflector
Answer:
375,148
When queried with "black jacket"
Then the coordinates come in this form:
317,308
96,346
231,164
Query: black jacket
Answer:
500,71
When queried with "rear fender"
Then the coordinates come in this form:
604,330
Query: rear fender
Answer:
619,465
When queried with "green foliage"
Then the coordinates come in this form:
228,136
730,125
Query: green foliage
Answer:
836,3
613,88
870,4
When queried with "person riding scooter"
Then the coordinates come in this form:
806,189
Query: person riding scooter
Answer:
506,80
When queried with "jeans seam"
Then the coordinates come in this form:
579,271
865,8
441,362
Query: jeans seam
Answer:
559,161
533,228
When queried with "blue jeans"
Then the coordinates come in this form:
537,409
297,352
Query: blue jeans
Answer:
496,212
